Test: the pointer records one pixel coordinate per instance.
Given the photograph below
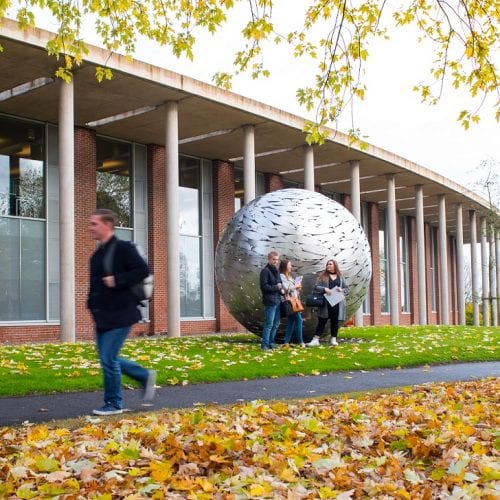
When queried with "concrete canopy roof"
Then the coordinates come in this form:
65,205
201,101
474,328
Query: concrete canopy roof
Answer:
211,124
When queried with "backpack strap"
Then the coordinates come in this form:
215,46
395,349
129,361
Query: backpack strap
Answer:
109,257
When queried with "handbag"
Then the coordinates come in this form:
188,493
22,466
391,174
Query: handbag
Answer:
286,308
296,304
315,299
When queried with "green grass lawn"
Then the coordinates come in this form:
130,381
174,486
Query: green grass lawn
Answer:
45,368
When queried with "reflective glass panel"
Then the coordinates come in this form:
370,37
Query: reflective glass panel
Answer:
189,196
22,169
190,276
22,273
114,186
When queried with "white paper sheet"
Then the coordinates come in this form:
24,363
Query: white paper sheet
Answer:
334,297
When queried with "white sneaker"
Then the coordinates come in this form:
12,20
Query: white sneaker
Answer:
314,343
333,341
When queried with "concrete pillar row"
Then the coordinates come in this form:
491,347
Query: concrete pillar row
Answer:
393,249
459,236
484,272
308,168
493,278
422,288
443,262
67,211
356,211
249,163
172,197
473,267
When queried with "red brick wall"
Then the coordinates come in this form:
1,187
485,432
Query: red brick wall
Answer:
273,182
223,189
376,317
157,238
85,204
20,334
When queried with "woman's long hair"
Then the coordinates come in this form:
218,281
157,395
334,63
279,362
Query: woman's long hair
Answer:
325,275
283,268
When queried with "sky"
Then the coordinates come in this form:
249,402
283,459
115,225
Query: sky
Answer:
391,117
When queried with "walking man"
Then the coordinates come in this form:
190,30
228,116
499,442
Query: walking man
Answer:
114,308
272,290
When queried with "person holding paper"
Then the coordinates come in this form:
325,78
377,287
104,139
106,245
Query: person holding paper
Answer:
291,287
333,285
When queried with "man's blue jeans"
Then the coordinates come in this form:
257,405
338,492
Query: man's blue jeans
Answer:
271,324
109,344
295,320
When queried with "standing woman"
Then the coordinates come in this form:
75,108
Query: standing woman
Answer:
291,290
330,280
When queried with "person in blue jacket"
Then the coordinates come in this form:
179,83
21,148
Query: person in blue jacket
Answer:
272,290
114,309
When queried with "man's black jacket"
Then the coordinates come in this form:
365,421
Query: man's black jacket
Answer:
269,279
115,307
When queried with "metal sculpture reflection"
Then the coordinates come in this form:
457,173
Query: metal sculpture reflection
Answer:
304,226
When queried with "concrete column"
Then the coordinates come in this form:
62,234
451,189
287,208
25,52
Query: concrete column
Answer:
459,236
173,239
356,211
67,211
484,272
443,262
493,278
308,168
473,267
249,163
393,250
422,288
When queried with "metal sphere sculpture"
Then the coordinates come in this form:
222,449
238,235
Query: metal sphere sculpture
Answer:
303,226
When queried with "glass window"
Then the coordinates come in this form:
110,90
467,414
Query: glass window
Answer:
239,190
190,240
190,277
189,196
22,169
22,221
114,186
22,269
404,264
196,238
331,194
382,248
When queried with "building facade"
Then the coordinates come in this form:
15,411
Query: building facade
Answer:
175,158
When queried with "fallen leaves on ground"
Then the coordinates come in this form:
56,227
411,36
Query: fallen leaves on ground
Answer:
431,441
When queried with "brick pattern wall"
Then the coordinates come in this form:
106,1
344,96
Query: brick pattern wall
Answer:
22,334
223,188
273,182
85,204
157,238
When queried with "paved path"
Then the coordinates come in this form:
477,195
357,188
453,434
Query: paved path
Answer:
58,406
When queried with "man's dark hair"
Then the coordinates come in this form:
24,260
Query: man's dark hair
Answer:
107,215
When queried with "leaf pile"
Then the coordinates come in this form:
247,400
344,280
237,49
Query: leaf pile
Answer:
430,441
